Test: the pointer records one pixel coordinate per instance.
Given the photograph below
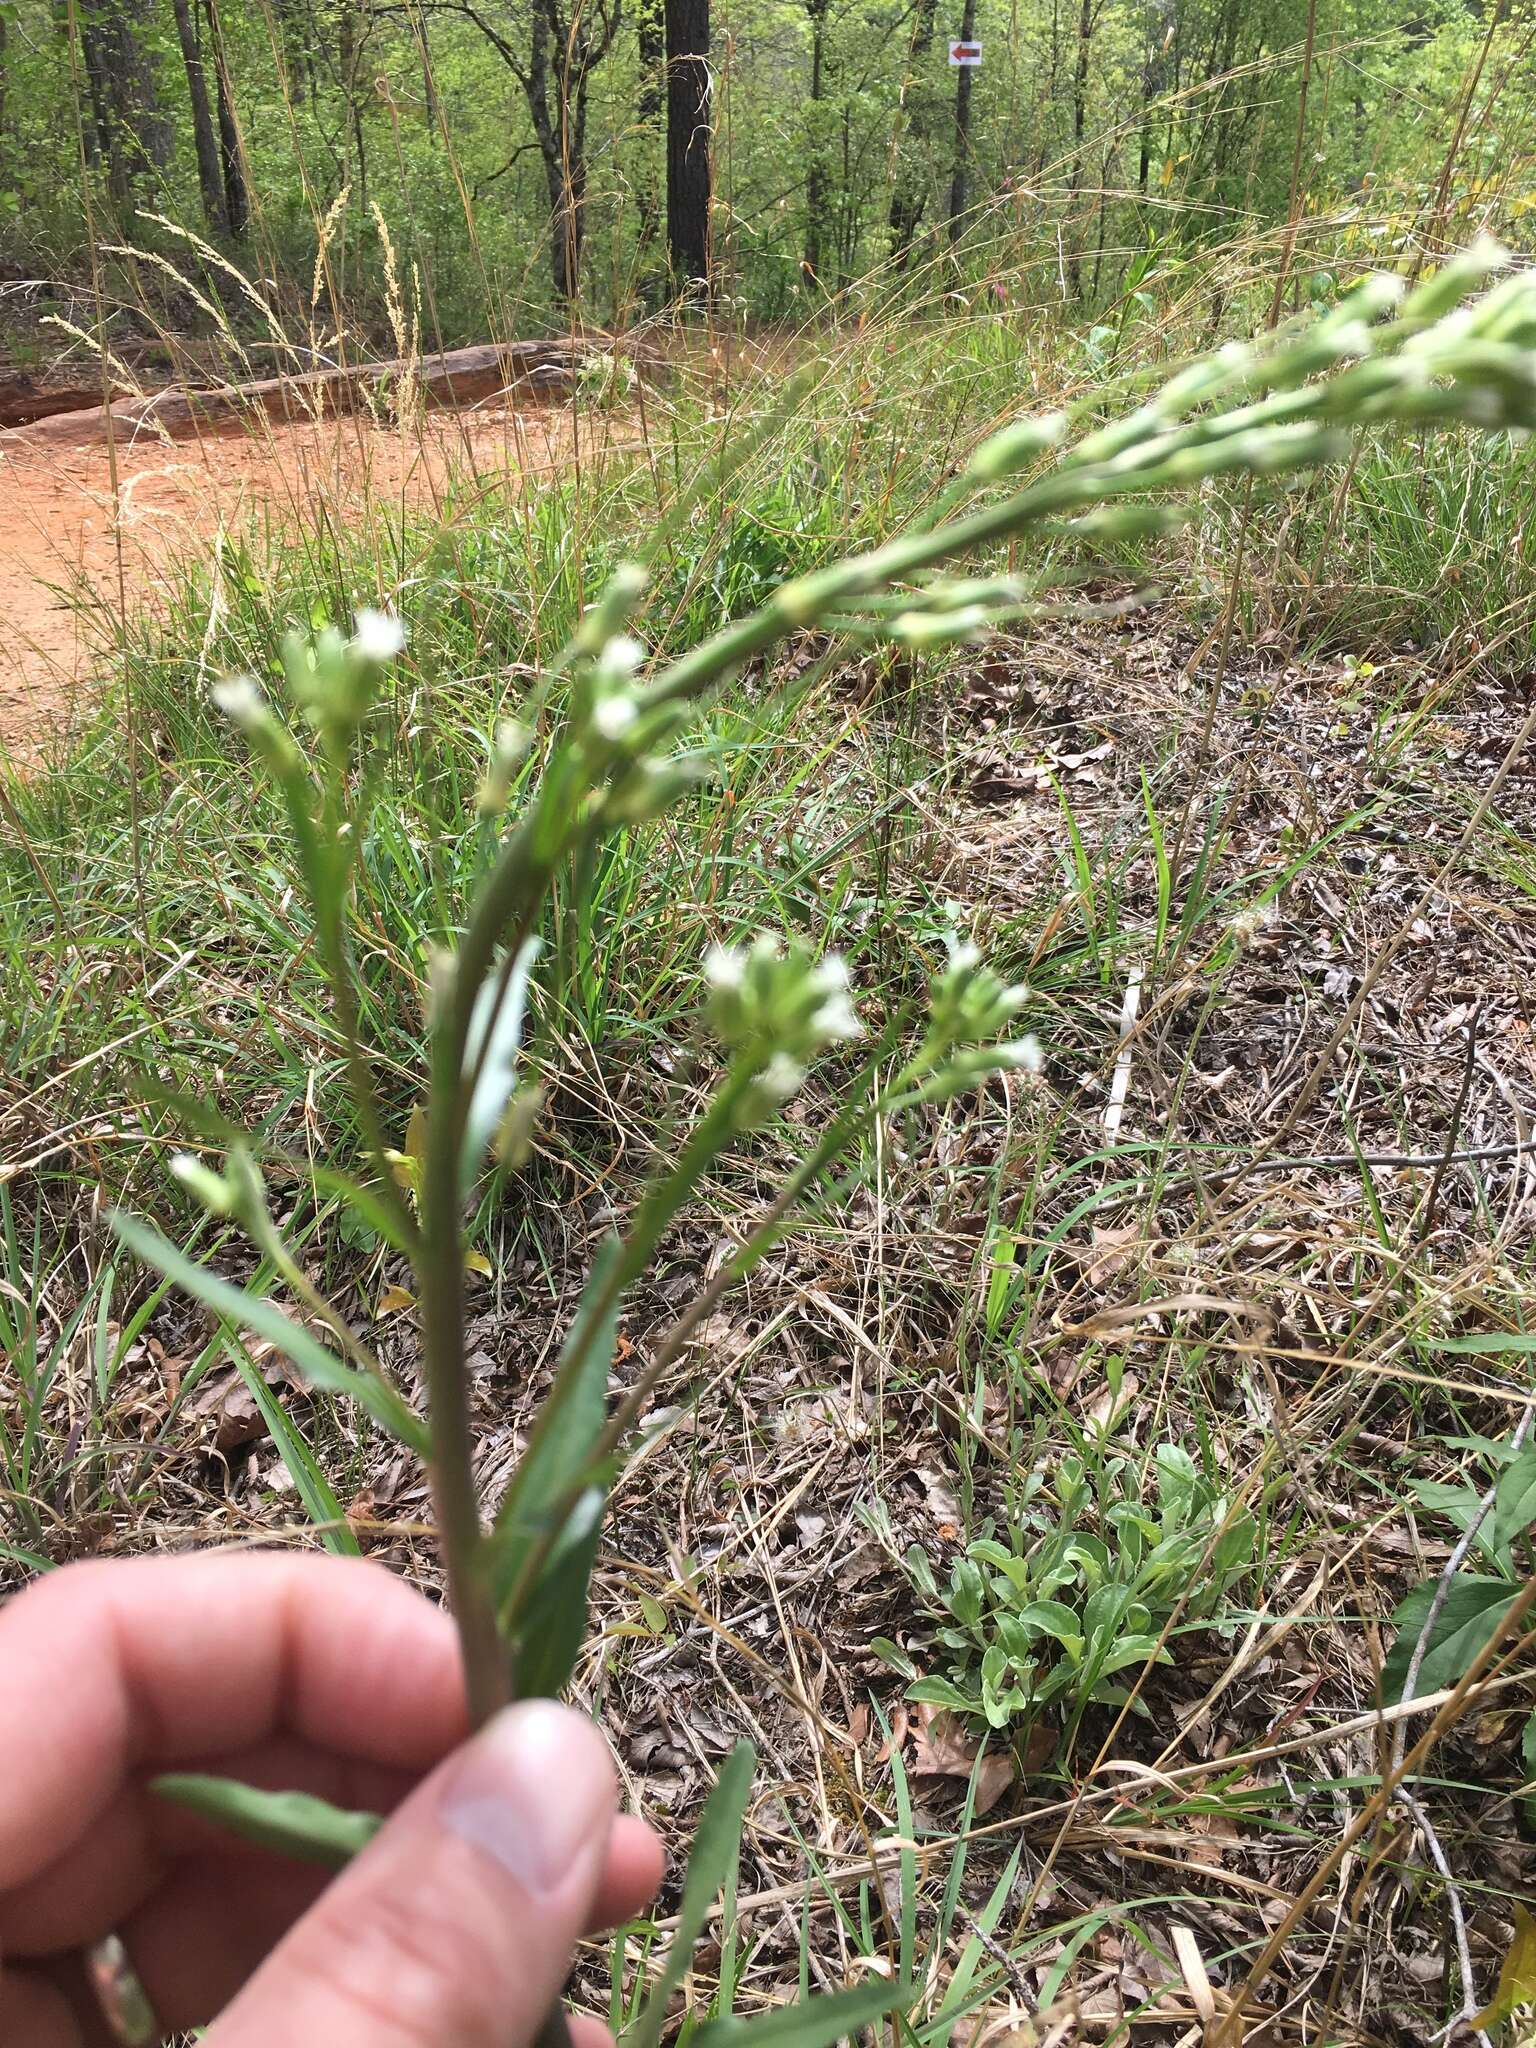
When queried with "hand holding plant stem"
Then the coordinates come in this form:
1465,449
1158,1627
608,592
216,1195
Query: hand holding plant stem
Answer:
611,761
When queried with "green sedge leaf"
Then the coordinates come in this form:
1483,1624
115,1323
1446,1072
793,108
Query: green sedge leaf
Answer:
243,1310
813,2023
716,1847
292,1823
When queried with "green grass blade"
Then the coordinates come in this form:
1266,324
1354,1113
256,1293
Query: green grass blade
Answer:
242,1309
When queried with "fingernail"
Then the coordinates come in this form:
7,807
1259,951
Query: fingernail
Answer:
535,1790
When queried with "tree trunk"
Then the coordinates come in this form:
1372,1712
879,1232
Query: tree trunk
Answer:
909,191
237,204
131,127
688,138
816,169
1079,126
204,141
959,184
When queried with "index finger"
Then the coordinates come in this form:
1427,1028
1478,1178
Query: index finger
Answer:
105,1667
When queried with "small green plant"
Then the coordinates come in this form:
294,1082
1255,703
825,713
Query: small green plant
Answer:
603,746
1084,1581
1444,1625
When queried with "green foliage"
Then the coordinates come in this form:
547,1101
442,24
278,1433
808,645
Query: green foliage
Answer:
1443,1627
1095,1567
289,1823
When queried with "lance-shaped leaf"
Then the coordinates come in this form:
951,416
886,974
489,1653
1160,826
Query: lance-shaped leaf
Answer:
716,1847
490,1054
244,1310
561,1449
554,1622
293,1823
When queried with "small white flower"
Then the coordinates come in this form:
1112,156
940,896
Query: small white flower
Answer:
621,655
613,715
241,701
1026,1055
513,739
725,967
830,974
203,1184
782,1077
836,1019
377,636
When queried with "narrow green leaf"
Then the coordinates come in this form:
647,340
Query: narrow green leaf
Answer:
716,1847
292,1823
1488,1343
563,1441
553,1626
254,1312
495,1038
1473,1609
321,1504
815,2023
892,1654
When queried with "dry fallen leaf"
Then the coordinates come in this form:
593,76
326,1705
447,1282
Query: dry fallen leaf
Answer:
1113,1249
228,1402
941,1749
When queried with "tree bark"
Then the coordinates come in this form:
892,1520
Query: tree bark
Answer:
688,140
1079,126
816,168
909,190
959,184
205,143
131,126
237,204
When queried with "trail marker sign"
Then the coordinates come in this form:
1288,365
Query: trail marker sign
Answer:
965,56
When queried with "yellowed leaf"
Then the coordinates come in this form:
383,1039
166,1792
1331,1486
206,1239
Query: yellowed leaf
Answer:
393,1299
1517,1979
477,1262
416,1135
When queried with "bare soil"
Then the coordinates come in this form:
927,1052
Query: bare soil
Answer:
85,538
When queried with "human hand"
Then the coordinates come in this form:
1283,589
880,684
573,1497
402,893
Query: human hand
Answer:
453,1929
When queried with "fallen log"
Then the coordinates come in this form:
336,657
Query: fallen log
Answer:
461,377
22,400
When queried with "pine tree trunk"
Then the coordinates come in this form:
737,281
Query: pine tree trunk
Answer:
688,139
204,141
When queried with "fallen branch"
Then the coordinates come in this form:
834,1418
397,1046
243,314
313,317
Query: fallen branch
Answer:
461,377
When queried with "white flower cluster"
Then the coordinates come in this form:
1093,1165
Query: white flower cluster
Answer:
968,1008
778,1005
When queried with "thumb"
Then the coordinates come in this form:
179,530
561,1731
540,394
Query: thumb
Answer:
454,1928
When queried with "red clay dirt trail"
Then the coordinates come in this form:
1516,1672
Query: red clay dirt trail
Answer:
71,552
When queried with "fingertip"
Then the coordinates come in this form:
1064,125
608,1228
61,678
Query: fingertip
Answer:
632,1876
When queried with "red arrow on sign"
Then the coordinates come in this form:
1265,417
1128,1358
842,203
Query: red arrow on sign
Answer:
965,53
